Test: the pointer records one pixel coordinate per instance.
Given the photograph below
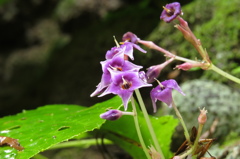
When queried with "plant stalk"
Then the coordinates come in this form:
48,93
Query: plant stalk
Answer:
223,73
195,145
149,124
187,136
135,117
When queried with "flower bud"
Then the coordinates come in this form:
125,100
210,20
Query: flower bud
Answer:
183,23
112,114
185,66
153,153
186,34
202,118
154,71
176,157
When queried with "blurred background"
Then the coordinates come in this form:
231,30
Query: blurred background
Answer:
50,49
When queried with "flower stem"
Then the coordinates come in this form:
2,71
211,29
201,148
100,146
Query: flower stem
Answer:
135,117
195,145
182,122
152,45
185,154
223,73
149,124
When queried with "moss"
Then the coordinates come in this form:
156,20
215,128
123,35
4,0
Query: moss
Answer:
216,24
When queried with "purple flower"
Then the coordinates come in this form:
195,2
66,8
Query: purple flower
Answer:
116,64
114,51
171,11
112,114
129,49
126,48
129,36
163,92
123,84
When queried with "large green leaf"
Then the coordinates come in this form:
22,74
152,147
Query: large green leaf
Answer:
123,133
39,129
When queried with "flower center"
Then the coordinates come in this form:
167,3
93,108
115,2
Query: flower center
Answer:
162,87
126,84
170,12
119,68
116,68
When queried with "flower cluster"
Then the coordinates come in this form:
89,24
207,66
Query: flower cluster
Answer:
120,76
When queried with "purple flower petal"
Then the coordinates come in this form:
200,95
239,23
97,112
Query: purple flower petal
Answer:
114,51
116,64
173,85
163,93
100,89
129,49
129,36
123,84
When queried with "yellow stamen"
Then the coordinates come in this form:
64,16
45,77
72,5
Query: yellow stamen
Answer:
159,83
167,10
116,41
124,81
126,84
115,68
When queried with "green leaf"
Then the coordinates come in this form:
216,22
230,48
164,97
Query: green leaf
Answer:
123,133
39,129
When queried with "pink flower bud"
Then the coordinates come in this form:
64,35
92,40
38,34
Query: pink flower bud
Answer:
186,34
183,23
185,66
202,118
176,157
